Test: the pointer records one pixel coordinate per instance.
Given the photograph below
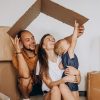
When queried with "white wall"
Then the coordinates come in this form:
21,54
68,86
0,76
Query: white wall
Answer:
88,46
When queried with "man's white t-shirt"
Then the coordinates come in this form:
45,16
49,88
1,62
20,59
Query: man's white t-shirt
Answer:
54,72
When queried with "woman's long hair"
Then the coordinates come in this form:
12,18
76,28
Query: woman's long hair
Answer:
43,58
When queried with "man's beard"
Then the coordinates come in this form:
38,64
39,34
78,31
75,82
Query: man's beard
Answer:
29,49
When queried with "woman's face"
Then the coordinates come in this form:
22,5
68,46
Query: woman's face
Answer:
49,42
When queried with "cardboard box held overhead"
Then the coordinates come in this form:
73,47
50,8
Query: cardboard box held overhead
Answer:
49,8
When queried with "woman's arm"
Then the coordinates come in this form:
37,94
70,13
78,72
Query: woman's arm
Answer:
48,81
73,71
78,78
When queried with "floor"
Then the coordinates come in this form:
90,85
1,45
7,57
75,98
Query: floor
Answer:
41,98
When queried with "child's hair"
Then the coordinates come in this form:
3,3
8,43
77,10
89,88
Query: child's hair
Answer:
57,47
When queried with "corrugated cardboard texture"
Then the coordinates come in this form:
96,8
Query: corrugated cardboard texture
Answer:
26,19
93,86
6,47
63,14
8,80
50,8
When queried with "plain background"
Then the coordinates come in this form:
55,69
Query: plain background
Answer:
88,46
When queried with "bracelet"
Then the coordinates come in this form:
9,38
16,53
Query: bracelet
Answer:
18,52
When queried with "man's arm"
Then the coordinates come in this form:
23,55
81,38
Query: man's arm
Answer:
23,68
20,62
15,61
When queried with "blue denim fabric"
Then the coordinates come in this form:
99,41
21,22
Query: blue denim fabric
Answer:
66,61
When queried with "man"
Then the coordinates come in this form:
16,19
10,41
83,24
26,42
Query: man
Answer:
25,61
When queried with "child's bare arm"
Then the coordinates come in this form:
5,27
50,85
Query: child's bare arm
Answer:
74,40
80,32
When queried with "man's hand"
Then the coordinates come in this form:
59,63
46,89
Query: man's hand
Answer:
16,44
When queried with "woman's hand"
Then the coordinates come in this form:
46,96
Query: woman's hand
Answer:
16,44
71,70
69,78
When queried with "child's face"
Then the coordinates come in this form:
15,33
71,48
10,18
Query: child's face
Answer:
63,47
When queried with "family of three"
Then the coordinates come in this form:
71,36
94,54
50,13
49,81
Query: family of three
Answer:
55,63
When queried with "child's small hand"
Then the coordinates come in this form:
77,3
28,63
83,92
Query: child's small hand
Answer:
78,28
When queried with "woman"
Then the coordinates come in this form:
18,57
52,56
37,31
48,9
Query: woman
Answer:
53,86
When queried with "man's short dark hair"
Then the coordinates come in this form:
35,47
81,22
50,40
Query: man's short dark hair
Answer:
20,33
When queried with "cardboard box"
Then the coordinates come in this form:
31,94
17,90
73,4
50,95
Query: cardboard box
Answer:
6,47
45,6
93,91
49,8
8,81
